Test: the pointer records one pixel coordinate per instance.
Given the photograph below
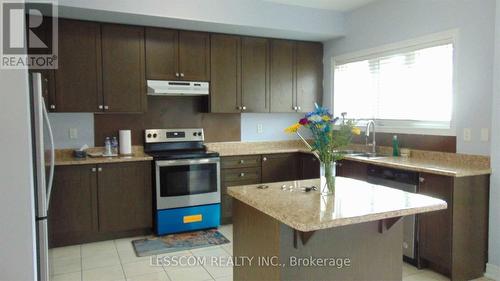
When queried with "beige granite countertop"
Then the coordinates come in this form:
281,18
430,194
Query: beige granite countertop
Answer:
441,163
354,202
65,157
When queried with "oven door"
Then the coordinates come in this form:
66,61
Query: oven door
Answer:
187,182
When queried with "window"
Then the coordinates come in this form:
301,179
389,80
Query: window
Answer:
410,87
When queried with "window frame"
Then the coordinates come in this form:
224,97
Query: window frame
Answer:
407,126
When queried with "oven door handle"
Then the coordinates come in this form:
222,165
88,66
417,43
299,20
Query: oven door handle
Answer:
185,162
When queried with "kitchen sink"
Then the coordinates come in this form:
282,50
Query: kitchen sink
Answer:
368,155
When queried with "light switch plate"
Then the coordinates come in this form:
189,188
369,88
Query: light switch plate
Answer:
467,135
260,130
73,133
485,134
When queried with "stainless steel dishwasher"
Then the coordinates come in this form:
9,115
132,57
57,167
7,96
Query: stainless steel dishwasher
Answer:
405,181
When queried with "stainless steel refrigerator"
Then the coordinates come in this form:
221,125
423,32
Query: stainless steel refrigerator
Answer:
44,156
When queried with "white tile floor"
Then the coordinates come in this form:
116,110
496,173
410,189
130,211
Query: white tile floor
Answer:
115,260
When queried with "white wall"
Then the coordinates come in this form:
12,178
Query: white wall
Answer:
493,267
389,21
17,252
249,17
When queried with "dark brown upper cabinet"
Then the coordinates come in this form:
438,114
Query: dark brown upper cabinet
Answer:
123,68
254,74
162,49
177,55
78,79
282,76
225,93
296,75
309,75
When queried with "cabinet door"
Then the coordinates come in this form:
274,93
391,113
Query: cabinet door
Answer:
435,227
225,74
352,169
309,166
254,74
227,201
123,68
125,196
162,51
282,76
78,80
194,56
279,167
309,75
72,213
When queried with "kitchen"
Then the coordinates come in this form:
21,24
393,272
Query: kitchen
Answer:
223,89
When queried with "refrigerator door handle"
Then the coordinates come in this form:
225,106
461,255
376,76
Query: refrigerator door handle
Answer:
52,153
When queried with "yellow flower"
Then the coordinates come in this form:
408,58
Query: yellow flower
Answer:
356,131
293,129
326,118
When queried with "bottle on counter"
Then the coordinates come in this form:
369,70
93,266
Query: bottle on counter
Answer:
395,146
108,150
114,146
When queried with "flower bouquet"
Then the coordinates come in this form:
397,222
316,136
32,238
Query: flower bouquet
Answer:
330,135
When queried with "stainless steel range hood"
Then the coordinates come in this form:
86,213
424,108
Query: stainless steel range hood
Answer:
177,88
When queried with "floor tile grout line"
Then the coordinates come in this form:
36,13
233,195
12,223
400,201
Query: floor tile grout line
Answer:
120,259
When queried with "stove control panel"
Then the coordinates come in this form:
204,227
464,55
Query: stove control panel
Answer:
173,135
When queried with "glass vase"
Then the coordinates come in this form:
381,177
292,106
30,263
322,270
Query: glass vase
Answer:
327,178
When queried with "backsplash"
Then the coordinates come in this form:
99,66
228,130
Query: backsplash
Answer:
273,126
63,122
170,112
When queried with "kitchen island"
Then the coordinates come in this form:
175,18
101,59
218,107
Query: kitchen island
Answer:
285,233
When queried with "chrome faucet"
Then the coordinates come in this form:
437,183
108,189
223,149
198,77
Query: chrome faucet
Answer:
367,132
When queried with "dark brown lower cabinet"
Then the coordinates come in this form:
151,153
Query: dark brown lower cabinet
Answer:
352,169
454,241
72,212
124,196
279,167
309,166
98,202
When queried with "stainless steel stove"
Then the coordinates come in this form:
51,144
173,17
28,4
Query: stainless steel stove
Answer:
187,180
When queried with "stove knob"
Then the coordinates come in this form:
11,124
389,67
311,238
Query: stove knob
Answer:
154,135
199,134
149,136
194,134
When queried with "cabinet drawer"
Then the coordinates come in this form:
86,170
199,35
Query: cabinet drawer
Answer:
242,174
241,161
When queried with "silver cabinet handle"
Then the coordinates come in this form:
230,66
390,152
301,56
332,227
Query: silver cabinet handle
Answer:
52,106
182,74
106,107
294,108
100,106
421,179
298,107
93,170
177,74
244,108
339,164
238,107
242,175
99,169
242,161
264,159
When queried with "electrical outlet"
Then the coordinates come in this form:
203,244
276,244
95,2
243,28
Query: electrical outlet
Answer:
467,135
260,130
73,133
485,134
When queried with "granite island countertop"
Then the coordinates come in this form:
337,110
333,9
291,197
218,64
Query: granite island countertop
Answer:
354,202
440,163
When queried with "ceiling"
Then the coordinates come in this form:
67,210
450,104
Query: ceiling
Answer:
337,5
